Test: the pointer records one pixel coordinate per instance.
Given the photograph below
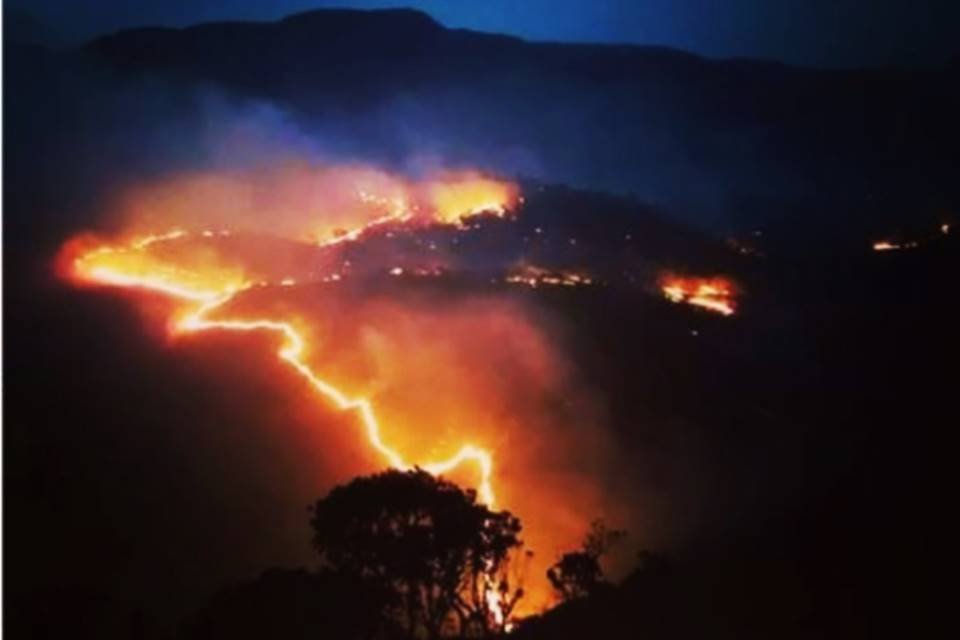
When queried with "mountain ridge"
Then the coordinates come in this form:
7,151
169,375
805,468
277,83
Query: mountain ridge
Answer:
716,140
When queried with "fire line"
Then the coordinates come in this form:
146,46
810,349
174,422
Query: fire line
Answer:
291,351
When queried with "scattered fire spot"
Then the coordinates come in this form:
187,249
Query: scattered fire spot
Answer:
915,242
712,294
886,245
534,277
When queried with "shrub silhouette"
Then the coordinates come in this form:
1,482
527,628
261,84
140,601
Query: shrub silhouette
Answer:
442,557
577,574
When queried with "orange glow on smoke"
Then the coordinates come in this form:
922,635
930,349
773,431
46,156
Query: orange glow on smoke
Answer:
885,245
713,294
320,204
250,254
457,196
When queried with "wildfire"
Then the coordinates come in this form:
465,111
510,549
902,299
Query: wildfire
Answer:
448,199
204,294
533,277
317,203
370,355
456,197
918,240
885,245
341,236
713,294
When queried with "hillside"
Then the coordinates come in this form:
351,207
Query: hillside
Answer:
719,140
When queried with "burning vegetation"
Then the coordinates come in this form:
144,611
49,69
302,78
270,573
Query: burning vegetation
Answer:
713,294
887,245
303,257
325,204
534,277
205,290
379,370
902,244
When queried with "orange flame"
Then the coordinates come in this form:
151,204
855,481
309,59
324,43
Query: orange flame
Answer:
325,204
715,294
886,245
402,421
454,197
130,266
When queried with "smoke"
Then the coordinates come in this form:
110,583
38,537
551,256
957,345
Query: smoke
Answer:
442,368
290,197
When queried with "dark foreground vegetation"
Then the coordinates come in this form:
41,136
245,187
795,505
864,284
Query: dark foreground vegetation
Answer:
409,555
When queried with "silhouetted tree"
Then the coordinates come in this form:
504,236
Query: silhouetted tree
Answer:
443,556
578,574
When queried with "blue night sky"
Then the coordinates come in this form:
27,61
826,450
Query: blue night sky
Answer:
810,32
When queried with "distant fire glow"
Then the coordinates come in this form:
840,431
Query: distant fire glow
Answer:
534,277
885,245
918,240
712,294
324,205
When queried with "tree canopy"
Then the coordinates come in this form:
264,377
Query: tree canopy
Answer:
578,574
442,555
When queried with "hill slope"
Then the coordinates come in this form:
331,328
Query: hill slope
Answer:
720,138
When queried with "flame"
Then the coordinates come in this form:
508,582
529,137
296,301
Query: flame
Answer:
716,294
340,236
886,245
455,197
131,266
533,277
449,199
495,605
322,204
484,429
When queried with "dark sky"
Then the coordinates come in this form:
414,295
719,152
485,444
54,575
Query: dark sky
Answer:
810,32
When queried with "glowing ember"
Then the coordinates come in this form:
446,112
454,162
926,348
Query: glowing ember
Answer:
341,236
716,294
536,276
885,245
